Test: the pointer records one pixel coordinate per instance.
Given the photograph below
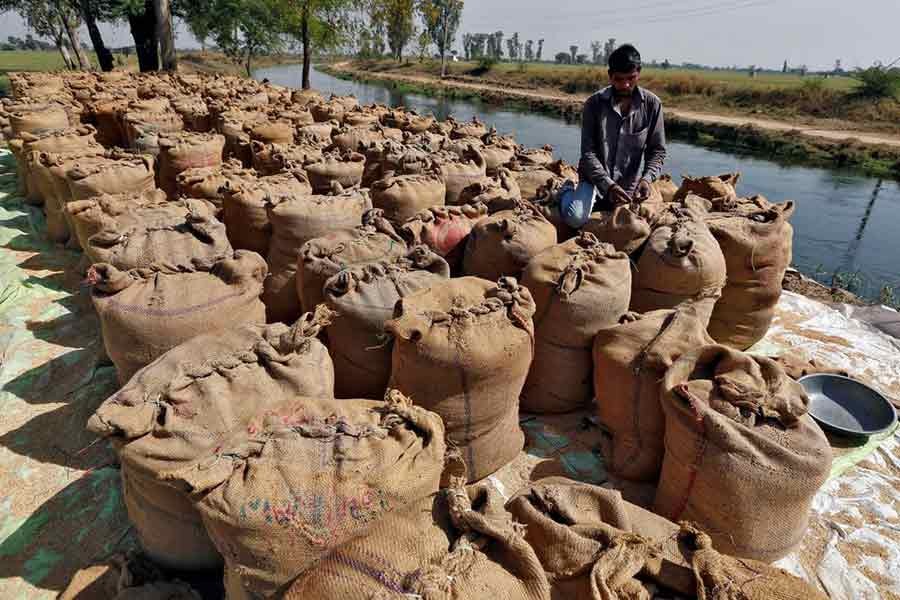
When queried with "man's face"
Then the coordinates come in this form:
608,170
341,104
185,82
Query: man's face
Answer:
624,83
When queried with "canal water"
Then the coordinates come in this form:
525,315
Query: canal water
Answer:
845,223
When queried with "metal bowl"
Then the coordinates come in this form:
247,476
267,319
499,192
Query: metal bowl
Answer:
846,406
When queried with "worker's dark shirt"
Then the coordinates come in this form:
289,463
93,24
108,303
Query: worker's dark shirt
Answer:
612,146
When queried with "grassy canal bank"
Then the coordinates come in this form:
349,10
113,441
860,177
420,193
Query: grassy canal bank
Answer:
783,144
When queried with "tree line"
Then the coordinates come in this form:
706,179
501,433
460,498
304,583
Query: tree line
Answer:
243,29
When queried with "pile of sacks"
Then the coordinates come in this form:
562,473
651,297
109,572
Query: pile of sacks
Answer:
326,318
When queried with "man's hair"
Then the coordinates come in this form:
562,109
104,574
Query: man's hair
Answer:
625,59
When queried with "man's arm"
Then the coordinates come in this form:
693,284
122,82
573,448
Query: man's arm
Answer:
655,151
591,166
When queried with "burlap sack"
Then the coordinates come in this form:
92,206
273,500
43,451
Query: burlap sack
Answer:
244,207
627,227
445,230
320,131
172,236
126,577
708,187
666,187
758,247
463,349
579,287
73,140
231,124
534,156
309,475
107,117
89,217
461,172
504,243
743,458
194,113
118,175
271,159
548,201
364,298
38,119
324,112
142,129
496,157
356,139
182,151
680,262
402,197
48,173
452,545
531,178
593,544
206,183
324,257
629,362
272,132
146,312
189,402
408,120
360,117
344,169
473,128
721,577
295,221
498,193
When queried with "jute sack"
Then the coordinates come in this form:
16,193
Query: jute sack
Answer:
743,458
627,227
680,262
172,236
244,207
319,131
271,159
189,402
363,297
48,173
323,112
307,476
356,139
89,217
504,243
324,257
142,129
758,247
445,230
547,200
360,117
72,140
295,221
194,113
146,312
231,124
708,187
344,169
38,119
455,544
531,178
401,197
593,544
462,172
579,287
666,187
115,176
182,151
534,156
407,120
722,577
497,193
206,183
273,132
126,577
463,349
629,363
473,129
107,116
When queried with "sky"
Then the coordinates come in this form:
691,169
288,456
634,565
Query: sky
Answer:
711,32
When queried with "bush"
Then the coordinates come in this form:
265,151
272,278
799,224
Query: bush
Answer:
485,64
878,82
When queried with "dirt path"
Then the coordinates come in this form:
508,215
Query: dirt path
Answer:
686,115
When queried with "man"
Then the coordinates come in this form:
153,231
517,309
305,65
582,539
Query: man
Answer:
622,124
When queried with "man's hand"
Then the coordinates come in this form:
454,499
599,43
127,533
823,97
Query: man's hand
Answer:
618,196
643,191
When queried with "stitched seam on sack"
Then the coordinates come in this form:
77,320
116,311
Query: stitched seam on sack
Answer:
149,312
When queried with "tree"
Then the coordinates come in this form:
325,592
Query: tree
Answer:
423,43
397,16
200,27
540,50
141,16
56,20
608,48
581,59
323,24
563,58
785,68
596,50
441,19
529,50
165,34
89,12
573,50
666,64
245,29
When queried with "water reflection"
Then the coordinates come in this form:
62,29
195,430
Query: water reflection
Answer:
844,222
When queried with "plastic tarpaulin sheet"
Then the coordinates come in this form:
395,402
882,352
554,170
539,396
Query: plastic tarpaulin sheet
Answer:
60,497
